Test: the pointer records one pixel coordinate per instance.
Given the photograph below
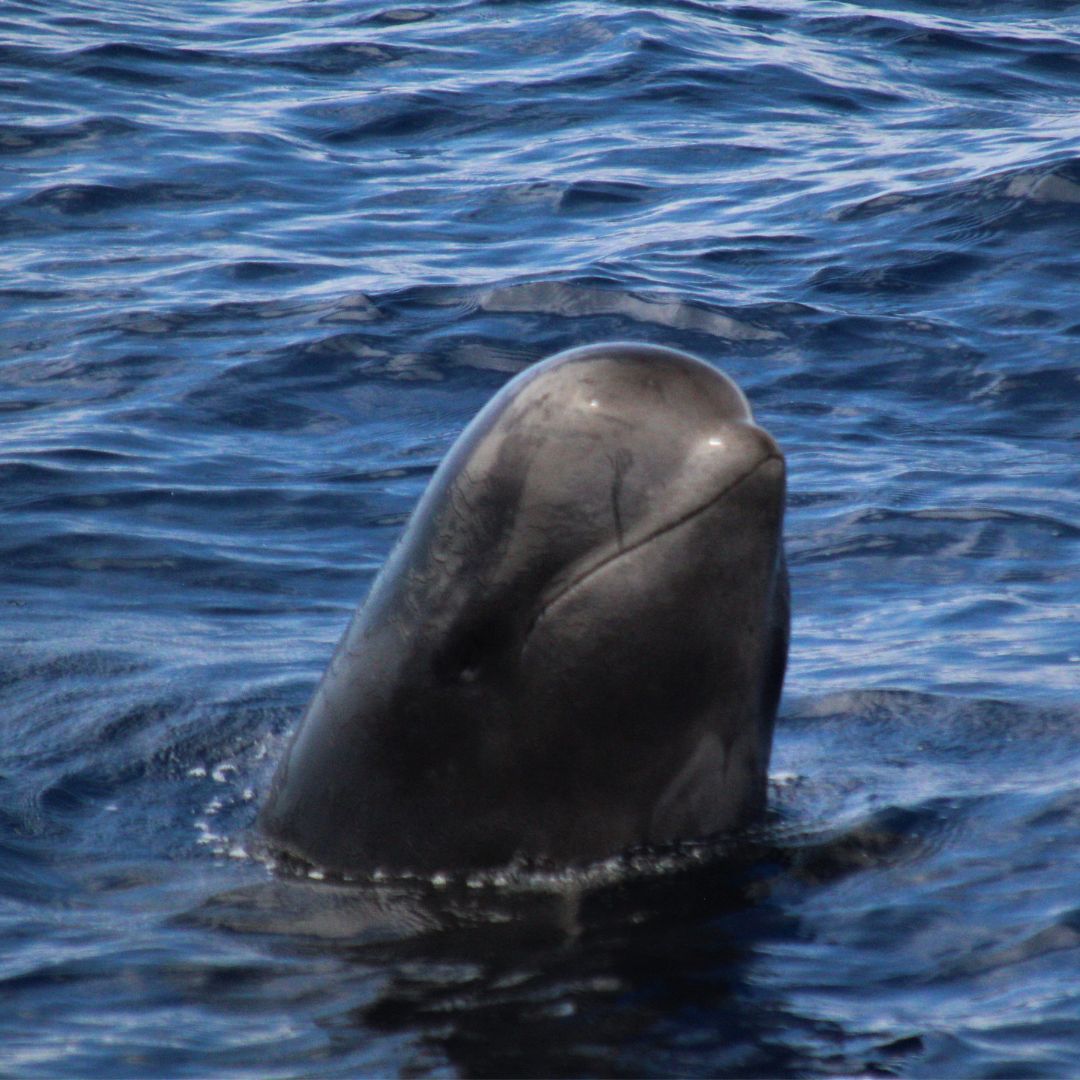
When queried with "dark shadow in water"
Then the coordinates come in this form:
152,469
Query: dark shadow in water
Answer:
640,967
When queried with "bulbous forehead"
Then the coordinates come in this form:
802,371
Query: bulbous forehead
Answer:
637,417
593,449
639,382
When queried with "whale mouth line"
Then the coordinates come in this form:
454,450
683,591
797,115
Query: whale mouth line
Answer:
661,530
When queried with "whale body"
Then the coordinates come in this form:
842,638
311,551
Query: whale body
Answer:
577,645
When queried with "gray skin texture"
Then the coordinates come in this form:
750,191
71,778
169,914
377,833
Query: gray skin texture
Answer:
577,645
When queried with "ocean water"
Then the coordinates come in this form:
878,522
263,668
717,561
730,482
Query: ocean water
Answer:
261,261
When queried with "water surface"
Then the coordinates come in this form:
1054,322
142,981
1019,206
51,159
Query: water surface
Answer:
260,264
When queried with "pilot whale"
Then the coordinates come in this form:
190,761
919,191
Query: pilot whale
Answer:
577,645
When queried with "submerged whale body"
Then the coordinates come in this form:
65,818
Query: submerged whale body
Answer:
577,645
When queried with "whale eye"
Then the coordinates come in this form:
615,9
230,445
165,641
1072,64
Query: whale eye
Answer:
467,653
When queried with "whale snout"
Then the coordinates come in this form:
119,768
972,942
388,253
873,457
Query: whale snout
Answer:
737,450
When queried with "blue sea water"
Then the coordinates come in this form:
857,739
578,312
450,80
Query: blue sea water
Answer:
260,262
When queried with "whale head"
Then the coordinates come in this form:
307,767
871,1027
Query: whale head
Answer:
577,645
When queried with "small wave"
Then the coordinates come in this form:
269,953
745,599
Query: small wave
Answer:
575,301
344,58
1050,183
947,533
915,271
128,62
592,196
898,726
33,139
398,16
394,115
988,953
1060,184
98,198
918,34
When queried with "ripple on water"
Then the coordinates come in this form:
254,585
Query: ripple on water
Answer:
262,265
